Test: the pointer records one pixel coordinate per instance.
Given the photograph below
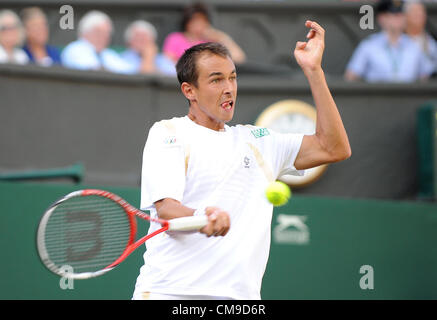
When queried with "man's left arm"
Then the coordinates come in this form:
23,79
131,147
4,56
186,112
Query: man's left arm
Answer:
330,142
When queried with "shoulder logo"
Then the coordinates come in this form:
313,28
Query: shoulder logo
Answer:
260,132
170,140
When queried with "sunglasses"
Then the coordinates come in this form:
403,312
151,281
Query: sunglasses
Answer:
10,27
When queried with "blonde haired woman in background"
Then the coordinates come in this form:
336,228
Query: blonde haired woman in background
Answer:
37,37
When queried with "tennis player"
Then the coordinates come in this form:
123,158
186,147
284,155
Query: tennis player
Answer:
198,165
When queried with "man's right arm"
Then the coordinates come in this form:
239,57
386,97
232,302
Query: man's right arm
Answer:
219,222
169,208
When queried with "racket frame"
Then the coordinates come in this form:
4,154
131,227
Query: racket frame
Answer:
131,245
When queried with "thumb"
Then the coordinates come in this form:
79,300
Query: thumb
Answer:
211,212
300,45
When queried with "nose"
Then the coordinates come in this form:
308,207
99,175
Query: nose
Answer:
228,87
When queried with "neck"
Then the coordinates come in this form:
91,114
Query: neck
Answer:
87,39
34,45
393,37
9,50
204,120
37,49
412,31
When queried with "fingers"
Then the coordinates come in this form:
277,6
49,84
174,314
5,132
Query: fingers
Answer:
315,28
218,222
221,224
300,45
311,34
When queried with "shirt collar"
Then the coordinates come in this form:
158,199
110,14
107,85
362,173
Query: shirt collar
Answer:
401,41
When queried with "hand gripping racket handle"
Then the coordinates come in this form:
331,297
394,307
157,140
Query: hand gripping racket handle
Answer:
188,223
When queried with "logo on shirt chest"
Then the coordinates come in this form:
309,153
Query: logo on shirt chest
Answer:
246,162
260,132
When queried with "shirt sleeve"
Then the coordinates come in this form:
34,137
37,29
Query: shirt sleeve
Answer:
113,62
426,67
163,167
165,65
357,63
432,45
54,54
21,57
78,56
287,146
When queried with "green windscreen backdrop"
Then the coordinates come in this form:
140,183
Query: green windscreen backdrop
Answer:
321,248
427,150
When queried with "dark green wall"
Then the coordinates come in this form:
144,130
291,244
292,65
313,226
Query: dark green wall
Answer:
396,238
21,207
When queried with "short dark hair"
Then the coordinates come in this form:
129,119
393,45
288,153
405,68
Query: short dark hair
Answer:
191,10
389,6
28,13
186,66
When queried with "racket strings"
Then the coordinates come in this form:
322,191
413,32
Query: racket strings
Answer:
86,233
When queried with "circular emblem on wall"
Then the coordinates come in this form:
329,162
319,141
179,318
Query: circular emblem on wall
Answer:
292,116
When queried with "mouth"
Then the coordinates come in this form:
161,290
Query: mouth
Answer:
227,105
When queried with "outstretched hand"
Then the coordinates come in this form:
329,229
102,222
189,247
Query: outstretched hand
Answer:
309,54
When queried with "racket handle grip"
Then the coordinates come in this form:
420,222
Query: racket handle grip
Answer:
188,223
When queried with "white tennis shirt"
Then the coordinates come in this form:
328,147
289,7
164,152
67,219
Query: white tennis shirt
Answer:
201,167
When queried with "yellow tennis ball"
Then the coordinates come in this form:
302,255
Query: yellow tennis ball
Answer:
278,193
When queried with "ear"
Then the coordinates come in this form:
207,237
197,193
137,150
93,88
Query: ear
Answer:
188,91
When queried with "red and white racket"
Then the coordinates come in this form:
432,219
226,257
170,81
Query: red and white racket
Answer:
89,232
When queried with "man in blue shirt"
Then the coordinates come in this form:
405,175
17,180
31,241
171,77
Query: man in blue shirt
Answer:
390,55
90,51
142,53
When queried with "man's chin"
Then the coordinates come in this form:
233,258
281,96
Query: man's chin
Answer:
227,115
228,118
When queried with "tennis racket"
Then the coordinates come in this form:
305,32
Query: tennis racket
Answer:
89,232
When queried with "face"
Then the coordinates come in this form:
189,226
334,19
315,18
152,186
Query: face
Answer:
37,30
100,36
392,22
213,99
9,32
140,39
197,25
416,16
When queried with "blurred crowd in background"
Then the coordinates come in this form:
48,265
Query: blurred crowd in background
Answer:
402,51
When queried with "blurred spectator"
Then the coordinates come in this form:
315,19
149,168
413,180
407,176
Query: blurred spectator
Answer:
196,28
390,55
416,16
37,36
11,37
90,51
142,53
